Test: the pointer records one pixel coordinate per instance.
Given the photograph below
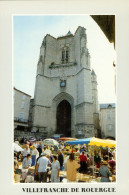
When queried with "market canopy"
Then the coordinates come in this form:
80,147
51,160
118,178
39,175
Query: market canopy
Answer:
66,139
102,142
79,141
17,148
93,141
50,142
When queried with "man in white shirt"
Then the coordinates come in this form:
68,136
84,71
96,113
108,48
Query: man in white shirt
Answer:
26,151
41,167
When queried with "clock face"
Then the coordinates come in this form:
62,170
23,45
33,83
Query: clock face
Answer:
63,83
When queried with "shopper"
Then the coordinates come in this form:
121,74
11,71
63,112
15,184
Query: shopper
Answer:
72,166
55,170
61,161
35,155
26,151
41,167
104,171
25,166
83,162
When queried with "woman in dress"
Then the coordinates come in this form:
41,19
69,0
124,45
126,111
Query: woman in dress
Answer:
55,170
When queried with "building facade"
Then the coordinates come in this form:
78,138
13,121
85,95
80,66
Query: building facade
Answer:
65,99
107,120
21,110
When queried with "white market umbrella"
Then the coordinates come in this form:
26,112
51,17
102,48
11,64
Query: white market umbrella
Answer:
17,148
47,152
50,142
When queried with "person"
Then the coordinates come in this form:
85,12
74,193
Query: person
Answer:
25,166
15,168
34,154
67,147
49,166
83,162
72,166
27,142
55,170
112,163
97,160
26,151
16,141
47,151
39,148
56,148
82,149
65,162
35,143
62,146
104,171
41,167
36,178
113,153
76,149
61,161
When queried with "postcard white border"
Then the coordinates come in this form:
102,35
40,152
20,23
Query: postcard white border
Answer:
7,9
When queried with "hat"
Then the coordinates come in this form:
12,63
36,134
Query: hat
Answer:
42,154
104,162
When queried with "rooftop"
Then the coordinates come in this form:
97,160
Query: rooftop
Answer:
69,34
113,105
22,92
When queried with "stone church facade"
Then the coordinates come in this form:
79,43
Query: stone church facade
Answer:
66,97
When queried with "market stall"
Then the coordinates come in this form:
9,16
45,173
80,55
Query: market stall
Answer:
17,148
94,143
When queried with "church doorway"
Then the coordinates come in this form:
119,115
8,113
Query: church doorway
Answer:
63,118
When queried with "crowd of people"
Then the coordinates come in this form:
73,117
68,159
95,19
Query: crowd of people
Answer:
49,161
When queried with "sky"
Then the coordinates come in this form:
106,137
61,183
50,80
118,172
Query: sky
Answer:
28,34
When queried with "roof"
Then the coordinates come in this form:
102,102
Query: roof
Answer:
93,72
107,105
69,33
22,92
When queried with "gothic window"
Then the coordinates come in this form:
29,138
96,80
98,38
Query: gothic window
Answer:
65,55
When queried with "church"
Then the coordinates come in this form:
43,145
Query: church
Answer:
66,97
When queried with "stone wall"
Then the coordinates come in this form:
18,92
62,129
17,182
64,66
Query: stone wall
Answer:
107,122
78,90
21,104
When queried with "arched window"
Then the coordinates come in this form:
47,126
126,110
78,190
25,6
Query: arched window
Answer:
65,55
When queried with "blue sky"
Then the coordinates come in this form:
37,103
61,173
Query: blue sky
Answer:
28,33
